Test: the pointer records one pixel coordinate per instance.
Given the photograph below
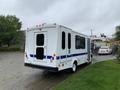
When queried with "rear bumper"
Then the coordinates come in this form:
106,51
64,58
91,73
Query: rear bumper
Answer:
41,67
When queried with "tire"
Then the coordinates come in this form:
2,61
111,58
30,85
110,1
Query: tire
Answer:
74,67
90,62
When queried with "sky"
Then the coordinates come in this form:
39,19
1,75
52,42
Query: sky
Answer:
100,16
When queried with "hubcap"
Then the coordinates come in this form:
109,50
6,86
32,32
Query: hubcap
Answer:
74,67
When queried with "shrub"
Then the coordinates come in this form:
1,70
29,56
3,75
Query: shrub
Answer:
118,54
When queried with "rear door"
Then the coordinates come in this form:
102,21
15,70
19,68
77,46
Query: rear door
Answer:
66,44
66,48
40,45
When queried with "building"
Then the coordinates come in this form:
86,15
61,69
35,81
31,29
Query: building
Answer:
101,40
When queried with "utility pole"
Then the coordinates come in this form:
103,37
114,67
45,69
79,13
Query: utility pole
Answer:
91,32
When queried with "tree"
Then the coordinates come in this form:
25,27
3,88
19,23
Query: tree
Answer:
117,34
117,37
8,29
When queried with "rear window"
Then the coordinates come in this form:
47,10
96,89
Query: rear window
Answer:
39,53
40,39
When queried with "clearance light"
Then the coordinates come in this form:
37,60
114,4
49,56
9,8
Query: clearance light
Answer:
54,24
43,24
37,26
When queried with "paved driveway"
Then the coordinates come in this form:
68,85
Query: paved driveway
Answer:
99,58
14,76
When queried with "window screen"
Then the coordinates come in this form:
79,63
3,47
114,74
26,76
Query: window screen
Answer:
40,39
63,40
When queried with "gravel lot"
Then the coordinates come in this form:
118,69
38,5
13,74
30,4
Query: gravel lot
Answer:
14,76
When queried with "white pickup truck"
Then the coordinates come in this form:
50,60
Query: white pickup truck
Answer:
104,50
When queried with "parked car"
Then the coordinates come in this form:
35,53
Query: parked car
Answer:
105,50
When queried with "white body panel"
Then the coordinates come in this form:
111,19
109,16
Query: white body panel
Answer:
54,56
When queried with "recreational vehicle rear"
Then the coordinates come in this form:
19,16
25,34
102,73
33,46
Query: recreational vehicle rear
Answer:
56,47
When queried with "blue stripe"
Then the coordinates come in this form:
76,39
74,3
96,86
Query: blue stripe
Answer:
49,57
31,55
69,56
34,56
44,56
62,56
58,57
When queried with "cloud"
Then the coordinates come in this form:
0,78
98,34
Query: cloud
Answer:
33,7
81,15
7,6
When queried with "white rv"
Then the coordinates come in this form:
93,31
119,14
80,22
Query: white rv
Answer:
56,47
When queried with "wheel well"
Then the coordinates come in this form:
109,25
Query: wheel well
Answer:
75,62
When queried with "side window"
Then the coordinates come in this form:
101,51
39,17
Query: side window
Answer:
82,44
40,39
79,42
69,41
63,40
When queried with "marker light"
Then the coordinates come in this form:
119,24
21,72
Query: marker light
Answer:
37,26
43,24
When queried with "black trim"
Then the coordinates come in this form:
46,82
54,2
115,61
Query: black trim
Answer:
41,67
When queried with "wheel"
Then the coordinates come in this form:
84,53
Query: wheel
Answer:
90,62
74,67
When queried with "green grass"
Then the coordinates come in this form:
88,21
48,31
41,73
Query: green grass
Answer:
100,76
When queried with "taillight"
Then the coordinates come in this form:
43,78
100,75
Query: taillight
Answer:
26,55
107,50
53,57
